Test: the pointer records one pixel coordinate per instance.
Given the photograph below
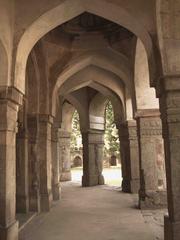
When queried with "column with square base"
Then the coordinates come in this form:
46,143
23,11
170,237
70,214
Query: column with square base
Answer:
64,155
129,156
45,161
56,189
93,143
170,114
152,193
22,185
10,98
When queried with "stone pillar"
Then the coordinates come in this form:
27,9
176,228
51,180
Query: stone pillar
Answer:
170,114
56,189
9,100
65,155
22,187
45,161
93,143
152,192
33,159
129,156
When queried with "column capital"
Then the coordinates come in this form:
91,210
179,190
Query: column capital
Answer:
145,113
46,118
54,133
11,94
128,129
63,133
94,136
150,126
168,82
92,131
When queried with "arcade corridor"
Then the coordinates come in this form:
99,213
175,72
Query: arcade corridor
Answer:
62,56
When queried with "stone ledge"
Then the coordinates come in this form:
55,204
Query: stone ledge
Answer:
143,113
12,94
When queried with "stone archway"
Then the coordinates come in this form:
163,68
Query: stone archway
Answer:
55,17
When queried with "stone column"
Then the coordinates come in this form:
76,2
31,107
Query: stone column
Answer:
129,156
56,189
9,100
22,187
33,160
65,155
45,161
152,192
93,143
170,114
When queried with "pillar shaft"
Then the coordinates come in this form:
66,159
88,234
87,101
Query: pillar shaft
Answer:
55,164
65,155
45,161
93,143
129,156
170,113
22,191
152,192
9,98
33,163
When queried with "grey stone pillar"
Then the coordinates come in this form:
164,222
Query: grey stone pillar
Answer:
65,155
56,189
9,100
22,187
33,160
45,161
170,114
93,143
152,192
129,156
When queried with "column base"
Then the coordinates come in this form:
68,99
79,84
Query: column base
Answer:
171,229
153,200
9,233
56,189
126,186
46,202
135,185
22,204
92,180
34,202
65,176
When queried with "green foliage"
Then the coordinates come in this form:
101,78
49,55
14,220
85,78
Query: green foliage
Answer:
111,133
76,139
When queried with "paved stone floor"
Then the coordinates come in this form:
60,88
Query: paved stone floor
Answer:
95,213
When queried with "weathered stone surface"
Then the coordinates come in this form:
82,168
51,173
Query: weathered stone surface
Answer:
56,189
64,155
33,163
8,127
170,114
152,192
45,161
93,142
129,157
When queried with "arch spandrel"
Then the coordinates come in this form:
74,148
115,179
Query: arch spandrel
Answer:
145,96
4,67
168,32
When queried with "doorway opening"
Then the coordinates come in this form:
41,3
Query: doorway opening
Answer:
76,149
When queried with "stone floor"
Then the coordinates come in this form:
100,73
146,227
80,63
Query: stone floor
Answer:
93,213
